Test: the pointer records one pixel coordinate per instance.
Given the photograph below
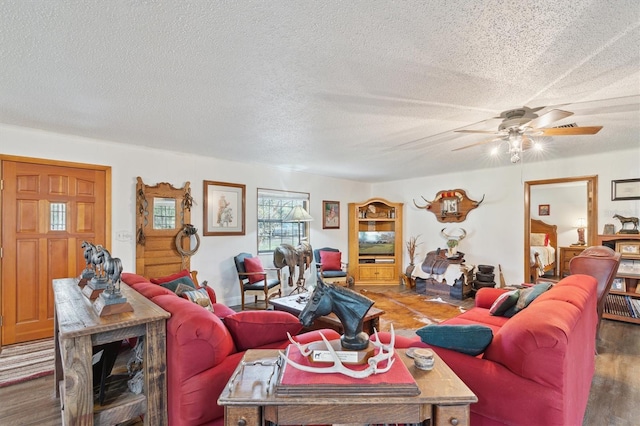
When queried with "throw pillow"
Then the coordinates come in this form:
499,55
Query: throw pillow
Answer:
181,288
469,339
172,277
528,295
253,329
199,296
253,264
537,239
173,285
331,260
504,302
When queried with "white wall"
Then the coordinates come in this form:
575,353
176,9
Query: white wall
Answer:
495,230
214,259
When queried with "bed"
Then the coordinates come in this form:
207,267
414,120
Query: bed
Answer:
543,242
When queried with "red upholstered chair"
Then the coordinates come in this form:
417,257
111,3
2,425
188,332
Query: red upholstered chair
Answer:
601,263
332,269
254,280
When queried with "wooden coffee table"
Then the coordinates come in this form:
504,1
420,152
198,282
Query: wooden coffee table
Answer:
294,305
250,398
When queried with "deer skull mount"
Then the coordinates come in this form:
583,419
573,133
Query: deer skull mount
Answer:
450,206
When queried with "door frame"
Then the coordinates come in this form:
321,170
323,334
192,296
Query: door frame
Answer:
48,162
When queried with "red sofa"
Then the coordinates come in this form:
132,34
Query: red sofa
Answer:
203,349
537,370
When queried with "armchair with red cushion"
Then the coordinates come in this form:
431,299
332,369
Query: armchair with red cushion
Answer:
254,280
331,268
204,349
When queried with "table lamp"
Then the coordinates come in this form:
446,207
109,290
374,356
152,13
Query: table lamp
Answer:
298,214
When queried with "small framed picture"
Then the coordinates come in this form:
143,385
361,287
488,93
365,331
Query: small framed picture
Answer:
618,285
609,229
625,189
544,210
331,215
628,248
223,208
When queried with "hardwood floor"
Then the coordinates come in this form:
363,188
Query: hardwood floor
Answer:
613,401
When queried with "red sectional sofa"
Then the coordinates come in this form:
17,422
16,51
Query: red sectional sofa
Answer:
203,349
537,370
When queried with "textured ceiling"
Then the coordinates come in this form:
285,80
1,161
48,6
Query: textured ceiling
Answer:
363,90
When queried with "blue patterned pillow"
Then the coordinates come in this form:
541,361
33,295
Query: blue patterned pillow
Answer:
529,295
469,339
504,302
173,285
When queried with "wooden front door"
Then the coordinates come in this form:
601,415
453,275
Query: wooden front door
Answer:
48,209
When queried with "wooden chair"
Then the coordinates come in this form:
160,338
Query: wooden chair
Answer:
333,276
262,285
601,263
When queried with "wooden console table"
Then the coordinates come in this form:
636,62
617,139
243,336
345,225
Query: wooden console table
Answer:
77,328
292,305
249,399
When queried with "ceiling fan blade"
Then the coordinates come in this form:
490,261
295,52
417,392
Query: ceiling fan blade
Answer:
486,132
569,131
476,144
545,119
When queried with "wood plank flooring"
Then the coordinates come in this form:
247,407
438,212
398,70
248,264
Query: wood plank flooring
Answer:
613,401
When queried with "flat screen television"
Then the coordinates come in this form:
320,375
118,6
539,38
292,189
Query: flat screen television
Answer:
376,243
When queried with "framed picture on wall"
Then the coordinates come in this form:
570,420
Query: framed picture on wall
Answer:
625,189
330,215
224,205
544,210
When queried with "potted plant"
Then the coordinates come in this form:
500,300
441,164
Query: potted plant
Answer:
411,249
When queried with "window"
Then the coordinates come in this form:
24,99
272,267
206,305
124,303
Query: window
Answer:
273,207
58,216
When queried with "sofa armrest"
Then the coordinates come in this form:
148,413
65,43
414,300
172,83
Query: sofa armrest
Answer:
401,342
505,398
487,295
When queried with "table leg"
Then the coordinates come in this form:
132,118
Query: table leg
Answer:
58,374
155,373
78,381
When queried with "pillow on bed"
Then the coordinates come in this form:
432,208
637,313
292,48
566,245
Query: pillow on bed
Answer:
538,239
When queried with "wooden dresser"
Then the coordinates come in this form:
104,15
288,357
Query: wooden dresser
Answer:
566,254
77,328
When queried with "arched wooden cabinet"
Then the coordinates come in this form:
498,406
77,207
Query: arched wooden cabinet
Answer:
162,213
375,241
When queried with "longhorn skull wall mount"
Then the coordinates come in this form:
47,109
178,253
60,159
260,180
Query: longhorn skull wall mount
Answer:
450,206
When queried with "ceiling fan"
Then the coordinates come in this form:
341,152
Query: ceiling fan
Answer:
518,125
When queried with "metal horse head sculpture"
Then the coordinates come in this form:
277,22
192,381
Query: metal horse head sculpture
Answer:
350,308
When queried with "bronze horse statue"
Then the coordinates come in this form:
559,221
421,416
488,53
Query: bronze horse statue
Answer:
624,220
350,308
112,268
